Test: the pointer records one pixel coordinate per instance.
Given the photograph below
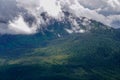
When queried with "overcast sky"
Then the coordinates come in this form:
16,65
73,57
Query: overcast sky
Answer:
12,12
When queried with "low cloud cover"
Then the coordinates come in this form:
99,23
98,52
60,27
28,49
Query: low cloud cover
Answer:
15,13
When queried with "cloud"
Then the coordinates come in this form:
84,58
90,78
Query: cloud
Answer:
102,6
19,26
104,11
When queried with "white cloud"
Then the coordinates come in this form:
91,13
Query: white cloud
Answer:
95,9
19,26
52,7
105,11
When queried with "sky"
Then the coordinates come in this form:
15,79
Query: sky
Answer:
15,13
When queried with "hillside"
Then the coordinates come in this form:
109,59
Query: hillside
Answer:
90,56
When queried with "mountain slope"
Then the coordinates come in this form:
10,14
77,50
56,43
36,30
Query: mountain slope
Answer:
55,29
87,56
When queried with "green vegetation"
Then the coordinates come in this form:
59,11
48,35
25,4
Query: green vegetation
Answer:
90,56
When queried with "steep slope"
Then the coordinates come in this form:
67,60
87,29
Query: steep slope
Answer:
11,45
59,40
89,56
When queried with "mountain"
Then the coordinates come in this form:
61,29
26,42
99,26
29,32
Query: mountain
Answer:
12,44
86,50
